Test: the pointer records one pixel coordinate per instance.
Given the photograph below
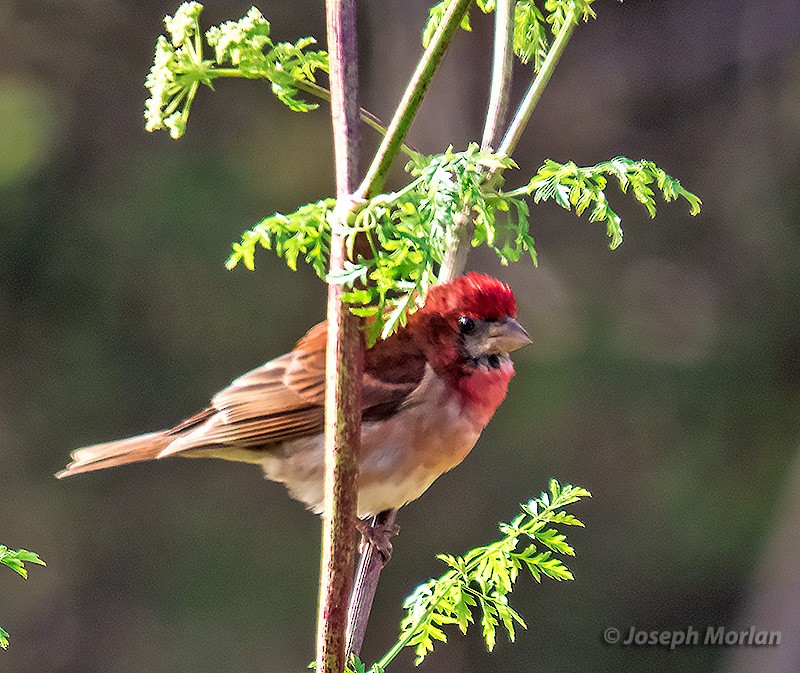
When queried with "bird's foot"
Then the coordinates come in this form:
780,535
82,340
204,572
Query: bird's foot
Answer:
378,536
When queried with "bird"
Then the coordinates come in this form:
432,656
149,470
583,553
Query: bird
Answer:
429,390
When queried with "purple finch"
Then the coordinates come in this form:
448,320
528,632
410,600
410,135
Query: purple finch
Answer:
428,392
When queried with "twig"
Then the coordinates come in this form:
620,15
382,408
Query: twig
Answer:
534,92
502,65
370,119
366,584
412,97
344,360
455,260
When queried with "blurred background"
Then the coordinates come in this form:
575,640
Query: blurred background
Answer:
664,377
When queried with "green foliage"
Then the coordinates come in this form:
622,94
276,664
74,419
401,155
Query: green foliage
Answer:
16,560
355,665
478,584
530,35
435,17
245,49
306,232
558,11
530,24
584,188
410,231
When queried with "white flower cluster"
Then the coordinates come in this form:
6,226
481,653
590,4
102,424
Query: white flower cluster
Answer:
173,58
252,31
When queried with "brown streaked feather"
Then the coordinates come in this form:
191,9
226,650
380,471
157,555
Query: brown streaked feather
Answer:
255,433
305,372
192,421
281,400
109,454
284,399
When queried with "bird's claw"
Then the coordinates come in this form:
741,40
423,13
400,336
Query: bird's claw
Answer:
378,536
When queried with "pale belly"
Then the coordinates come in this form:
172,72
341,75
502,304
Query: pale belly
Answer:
400,457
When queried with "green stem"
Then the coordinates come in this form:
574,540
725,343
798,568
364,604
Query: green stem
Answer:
502,65
387,658
534,93
230,72
198,42
412,97
525,190
190,98
175,102
395,649
371,120
455,260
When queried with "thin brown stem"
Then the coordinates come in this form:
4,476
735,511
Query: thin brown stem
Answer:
455,260
536,88
502,66
412,97
370,119
344,358
366,584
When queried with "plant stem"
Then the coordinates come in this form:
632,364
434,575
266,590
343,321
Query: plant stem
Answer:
370,119
412,97
536,88
321,92
344,363
502,65
455,260
366,584
395,649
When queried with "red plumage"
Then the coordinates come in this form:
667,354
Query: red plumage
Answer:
474,295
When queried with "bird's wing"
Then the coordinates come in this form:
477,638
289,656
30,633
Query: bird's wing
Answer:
284,399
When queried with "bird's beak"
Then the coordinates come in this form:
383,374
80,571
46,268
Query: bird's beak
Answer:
506,335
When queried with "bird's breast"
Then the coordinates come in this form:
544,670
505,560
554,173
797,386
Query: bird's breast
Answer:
401,456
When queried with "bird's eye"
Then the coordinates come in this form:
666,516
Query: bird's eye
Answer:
466,325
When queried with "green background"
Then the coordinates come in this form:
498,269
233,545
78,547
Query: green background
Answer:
664,377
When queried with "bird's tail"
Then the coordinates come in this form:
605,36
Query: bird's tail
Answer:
131,450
